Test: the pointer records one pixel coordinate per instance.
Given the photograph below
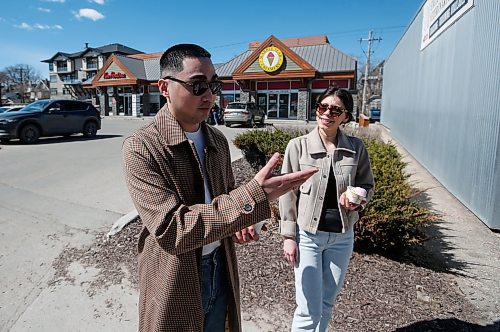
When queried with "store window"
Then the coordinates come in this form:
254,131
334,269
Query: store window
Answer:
312,109
229,98
294,105
262,101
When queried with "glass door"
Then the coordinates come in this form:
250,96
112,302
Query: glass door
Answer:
272,107
283,105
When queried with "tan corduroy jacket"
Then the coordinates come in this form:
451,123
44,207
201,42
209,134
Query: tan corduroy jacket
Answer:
349,161
165,182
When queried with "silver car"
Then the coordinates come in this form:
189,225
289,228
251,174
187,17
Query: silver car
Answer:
243,113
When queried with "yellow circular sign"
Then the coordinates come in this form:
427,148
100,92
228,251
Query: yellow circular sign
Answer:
271,59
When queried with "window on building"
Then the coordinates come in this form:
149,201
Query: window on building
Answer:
53,91
62,66
66,91
53,78
294,103
51,66
92,63
312,110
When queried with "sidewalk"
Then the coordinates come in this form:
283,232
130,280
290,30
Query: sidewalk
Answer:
466,245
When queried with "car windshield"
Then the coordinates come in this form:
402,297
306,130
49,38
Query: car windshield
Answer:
236,106
36,106
4,109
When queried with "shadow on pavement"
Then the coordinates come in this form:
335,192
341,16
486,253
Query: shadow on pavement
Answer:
436,252
451,324
62,139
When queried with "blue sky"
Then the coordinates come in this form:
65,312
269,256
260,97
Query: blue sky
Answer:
34,30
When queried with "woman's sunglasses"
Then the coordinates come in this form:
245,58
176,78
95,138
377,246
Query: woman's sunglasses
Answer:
334,109
199,88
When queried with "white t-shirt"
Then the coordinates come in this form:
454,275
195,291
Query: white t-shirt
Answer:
199,143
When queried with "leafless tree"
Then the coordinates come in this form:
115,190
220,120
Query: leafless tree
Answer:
22,76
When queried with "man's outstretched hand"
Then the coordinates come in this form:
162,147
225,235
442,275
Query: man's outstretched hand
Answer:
276,185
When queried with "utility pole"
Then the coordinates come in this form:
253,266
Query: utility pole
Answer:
367,70
23,87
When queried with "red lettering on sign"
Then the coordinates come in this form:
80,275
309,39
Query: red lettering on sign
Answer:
114,75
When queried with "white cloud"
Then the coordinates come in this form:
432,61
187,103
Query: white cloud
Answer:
24,26
99,2
92,14
38,26
59,1
45,10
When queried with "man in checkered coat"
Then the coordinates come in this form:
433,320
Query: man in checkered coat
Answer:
178,172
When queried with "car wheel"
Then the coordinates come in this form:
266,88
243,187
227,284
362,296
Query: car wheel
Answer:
29,134
228,124
90,129
262,117
251,122
4,140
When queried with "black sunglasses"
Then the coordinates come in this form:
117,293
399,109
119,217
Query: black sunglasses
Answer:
199,88
334,109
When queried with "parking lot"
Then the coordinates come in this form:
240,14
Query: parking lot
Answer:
59,192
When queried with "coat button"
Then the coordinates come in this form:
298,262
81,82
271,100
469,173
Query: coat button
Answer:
320,198
324,176
248,207
315,219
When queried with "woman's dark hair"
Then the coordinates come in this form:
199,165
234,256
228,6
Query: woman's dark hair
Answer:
171,60
344,96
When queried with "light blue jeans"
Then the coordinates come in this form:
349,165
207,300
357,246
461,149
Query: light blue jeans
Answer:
319,276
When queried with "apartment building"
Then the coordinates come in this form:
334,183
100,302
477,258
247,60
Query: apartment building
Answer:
71,73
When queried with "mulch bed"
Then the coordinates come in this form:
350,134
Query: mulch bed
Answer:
380,294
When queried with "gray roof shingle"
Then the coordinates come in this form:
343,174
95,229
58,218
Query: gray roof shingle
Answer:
325,58
135,66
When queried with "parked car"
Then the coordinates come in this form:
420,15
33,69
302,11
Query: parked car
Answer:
4,109
375,115
243,113
50,118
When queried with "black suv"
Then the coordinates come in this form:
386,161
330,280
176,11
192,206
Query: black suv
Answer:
50,118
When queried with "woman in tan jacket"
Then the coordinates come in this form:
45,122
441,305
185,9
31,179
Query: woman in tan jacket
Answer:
317,219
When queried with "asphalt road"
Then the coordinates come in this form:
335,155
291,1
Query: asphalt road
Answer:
56,193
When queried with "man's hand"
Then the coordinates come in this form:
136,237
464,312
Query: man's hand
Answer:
246,235
276,185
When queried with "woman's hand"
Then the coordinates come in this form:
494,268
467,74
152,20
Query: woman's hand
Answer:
346,204
290,250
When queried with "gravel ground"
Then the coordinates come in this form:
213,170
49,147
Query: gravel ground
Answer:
380,294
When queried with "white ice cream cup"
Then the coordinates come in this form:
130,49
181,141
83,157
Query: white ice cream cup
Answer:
355,195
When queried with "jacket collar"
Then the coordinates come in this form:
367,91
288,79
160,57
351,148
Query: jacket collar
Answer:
171,131
316,145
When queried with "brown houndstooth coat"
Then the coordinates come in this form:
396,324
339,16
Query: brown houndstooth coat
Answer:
165,182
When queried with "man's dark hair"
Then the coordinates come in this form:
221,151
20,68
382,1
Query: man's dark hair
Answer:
344,95
171,60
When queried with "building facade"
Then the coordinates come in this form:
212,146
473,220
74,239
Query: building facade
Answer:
70,73
284,77
440,99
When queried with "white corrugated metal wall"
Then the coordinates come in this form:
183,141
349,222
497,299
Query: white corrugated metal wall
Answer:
443,105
